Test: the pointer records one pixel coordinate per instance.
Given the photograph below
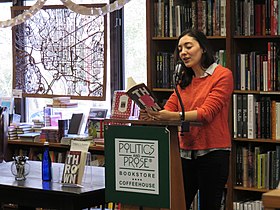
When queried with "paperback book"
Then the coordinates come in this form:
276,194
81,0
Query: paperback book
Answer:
143,97
75,162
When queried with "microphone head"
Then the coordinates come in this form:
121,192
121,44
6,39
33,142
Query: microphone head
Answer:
178,67
178,72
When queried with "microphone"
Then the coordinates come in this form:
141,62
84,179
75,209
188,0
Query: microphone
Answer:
178,72
176,79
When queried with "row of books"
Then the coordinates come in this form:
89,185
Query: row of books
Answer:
258,70
256,117
256,167
36,154
263,18
248,204
57,157
208,16
165,68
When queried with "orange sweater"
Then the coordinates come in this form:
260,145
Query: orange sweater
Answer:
210,96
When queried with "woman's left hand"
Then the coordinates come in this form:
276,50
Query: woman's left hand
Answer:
163,115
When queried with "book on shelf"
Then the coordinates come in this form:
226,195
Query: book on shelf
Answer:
99,142
143,96
66,140
97,113
7,102
63,102
75,162
76,123
31,136
96,127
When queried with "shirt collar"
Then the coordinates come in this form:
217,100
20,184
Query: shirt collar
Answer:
210,70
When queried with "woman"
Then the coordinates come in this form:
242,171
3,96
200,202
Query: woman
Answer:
205,88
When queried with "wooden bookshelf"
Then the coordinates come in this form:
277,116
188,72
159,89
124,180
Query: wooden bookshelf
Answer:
234,43
58,150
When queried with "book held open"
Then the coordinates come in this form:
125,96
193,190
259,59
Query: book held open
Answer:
143,97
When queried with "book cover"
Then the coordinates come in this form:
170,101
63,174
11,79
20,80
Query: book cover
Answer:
122,105
75,162
74,167
76,122
143,97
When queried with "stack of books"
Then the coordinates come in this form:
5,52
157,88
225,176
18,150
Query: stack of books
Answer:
49,133
63,102
32,137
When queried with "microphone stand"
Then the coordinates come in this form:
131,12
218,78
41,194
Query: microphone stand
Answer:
185,126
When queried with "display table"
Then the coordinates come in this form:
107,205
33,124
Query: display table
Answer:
32,192
271,199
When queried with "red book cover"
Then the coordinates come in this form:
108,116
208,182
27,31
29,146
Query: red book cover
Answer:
269,66
258,19
274,17
122,105
263,20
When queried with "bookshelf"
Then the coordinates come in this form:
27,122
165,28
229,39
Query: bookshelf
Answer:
58,151
247,33
255,161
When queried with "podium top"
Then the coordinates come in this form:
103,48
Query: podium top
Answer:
136,121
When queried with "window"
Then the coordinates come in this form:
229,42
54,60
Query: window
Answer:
6,65
34,106
135,41
135,54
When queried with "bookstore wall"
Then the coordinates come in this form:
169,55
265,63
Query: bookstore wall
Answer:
26,139
245,36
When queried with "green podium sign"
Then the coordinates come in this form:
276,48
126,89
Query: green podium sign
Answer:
137,168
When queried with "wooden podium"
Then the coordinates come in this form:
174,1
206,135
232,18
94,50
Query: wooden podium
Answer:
177,198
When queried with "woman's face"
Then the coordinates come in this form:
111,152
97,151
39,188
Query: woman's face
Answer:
190,52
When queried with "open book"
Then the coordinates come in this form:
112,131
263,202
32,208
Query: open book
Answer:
143,97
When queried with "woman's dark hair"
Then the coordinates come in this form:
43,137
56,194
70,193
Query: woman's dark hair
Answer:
206,60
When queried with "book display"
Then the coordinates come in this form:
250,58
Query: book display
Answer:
245,36
75,163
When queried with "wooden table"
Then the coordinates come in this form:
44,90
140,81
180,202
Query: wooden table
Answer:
271,199
32,192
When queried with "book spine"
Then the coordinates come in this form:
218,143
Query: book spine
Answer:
210,17
273,120
239,116
166,18
223,18
234,98
251,117
277,123
244,116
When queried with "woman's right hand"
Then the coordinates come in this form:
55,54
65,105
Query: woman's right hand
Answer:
144,115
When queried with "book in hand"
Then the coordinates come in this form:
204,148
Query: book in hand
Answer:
75,162
143,97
